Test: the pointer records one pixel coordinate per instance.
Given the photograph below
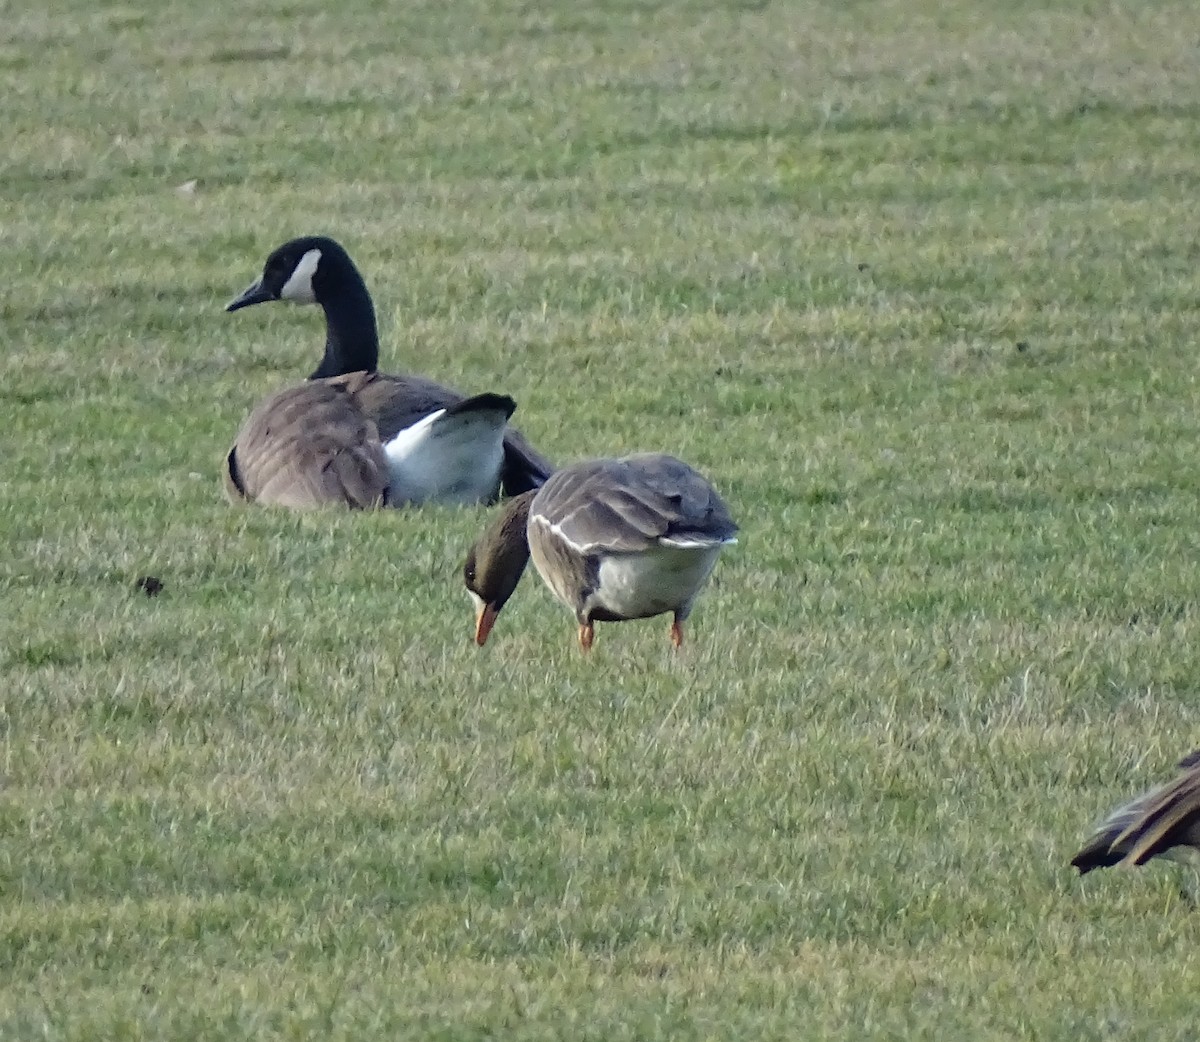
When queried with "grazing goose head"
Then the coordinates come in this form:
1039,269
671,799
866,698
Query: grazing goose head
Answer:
315,269
496,562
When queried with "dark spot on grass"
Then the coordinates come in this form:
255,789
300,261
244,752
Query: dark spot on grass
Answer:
126,20
480,875
35,396
229,55
1013,411
821,495
150,585
1022,345
18,179
1154,615
356,103
45,653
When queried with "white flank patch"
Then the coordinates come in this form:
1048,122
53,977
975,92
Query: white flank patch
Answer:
299,286
406,442
696,543
653,581
679,542
557,529
450,459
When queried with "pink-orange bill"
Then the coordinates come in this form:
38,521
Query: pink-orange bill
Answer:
485,619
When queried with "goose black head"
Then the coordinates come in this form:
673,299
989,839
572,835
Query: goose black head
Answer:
307,270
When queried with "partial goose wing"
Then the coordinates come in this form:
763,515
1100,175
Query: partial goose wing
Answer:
524,467
1152,825
632,504
396,403
452,455
310,445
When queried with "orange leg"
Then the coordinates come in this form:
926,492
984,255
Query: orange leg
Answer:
677,633
587,634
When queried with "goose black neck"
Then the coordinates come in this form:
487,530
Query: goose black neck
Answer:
351,336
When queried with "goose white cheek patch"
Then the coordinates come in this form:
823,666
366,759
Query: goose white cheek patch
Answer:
299,286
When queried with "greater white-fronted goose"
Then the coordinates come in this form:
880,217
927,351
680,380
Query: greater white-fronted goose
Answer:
334,438
1160,823
614,539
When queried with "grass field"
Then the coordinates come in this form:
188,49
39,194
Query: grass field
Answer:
915,282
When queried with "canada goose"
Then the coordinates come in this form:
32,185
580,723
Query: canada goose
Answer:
614,539
316,444
327,441
1156,824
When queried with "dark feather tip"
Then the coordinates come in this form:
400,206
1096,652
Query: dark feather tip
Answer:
150,585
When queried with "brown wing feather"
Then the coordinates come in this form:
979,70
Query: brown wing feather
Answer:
310,445
1150,826
628,505
396,402
1169,819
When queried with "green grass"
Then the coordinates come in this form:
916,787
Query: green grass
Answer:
914,282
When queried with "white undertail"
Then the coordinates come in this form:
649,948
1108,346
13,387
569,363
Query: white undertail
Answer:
453,458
